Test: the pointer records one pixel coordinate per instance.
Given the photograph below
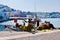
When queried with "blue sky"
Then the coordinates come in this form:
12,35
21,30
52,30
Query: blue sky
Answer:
33,5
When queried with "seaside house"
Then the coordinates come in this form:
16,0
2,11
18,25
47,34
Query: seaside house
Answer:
3,16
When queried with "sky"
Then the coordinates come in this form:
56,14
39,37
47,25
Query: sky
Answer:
33,5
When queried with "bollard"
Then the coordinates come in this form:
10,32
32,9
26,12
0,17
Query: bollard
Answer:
33,31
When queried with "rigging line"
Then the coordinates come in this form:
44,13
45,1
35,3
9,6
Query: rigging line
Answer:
35,8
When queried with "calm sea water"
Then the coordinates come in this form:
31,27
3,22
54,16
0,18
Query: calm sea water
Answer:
2,28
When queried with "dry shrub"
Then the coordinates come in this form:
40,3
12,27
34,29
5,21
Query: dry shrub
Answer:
41,27
30,26
23,28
